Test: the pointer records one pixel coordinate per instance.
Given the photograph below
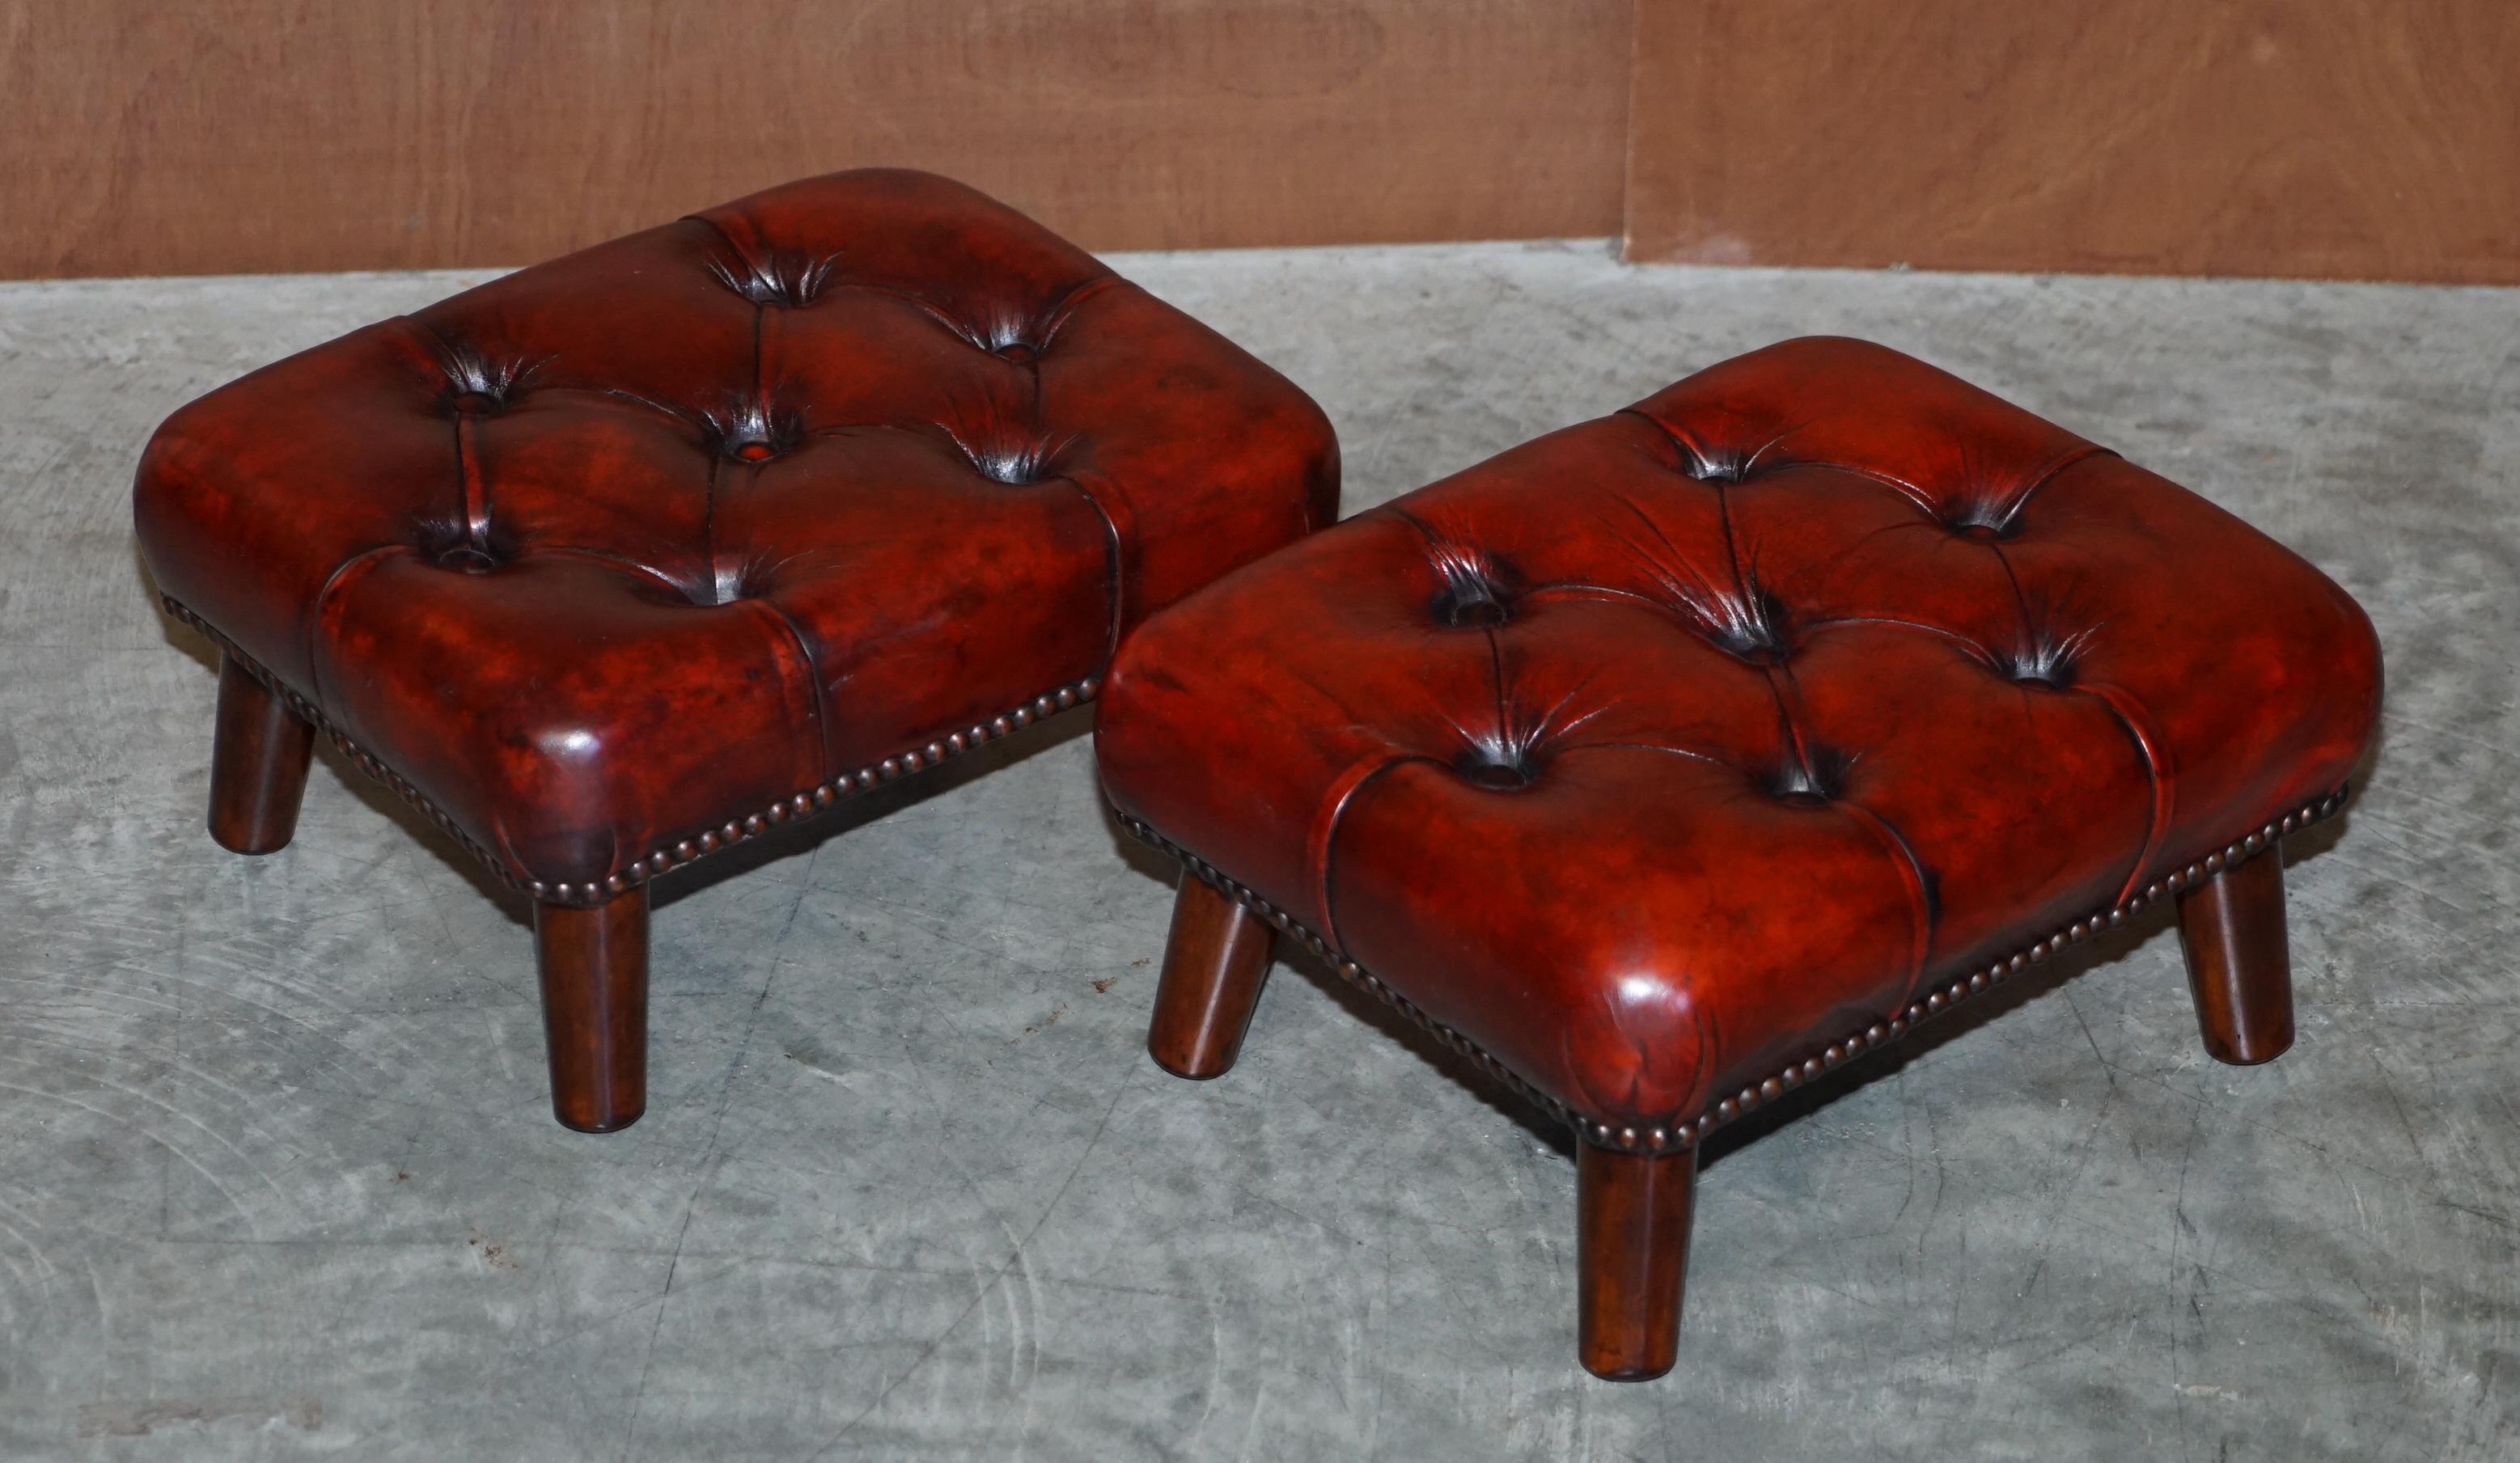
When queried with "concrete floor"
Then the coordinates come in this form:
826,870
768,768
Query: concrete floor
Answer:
278,1181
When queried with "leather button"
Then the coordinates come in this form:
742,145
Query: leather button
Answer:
1754,648
1497,776
1980,524
2046,663
747,430
1814,780
1017,352
1755,629
477,403
1475,591
467,561
784,280
1006,464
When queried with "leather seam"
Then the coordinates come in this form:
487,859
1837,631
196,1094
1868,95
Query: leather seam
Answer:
2165,786
1356,778
814,692
315,615
1117,558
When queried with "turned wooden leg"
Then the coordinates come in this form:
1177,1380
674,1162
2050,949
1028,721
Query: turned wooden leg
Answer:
1631,1255
594,1009
2232,926
257,764
1215,962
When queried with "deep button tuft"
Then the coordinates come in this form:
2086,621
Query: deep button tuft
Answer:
1005,461
753,577
1009,467
1495,773
1813,779
1476,591
2046,660
1981,523
785,279
1718,468
750,430
1477,602
1016,340
1754,627
477,385
468,559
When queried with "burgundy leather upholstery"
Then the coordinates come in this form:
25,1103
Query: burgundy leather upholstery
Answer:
1655,754
612,553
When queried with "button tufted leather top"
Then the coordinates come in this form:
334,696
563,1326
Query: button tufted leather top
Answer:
612,553
1666,750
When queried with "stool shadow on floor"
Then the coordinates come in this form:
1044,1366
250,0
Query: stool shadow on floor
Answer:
2158,921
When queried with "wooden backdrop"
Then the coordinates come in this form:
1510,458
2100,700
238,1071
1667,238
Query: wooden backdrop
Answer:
182,135
2354,139
2341,138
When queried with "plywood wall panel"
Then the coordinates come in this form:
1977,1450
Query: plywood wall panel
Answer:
251,135
2358,138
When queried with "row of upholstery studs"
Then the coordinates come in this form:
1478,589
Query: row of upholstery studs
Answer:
734,830
1944,998
1686,1134
823,795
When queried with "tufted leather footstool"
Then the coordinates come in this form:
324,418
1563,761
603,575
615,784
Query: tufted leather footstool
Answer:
1669,761
626,558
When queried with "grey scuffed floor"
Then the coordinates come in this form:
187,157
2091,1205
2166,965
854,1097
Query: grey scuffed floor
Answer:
278,1181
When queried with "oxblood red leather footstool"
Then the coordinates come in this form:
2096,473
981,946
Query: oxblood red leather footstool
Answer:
1668,761
621,560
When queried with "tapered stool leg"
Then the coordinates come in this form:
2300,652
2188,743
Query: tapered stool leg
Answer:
594,1009
258,760
2238,965
1631,1255
1215,962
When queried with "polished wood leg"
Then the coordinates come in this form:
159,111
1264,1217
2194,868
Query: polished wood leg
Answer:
258,760
1631,1254
594,1009
1214,965
2232,926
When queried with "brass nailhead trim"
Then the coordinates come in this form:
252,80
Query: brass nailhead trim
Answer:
796,806
1686,1132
